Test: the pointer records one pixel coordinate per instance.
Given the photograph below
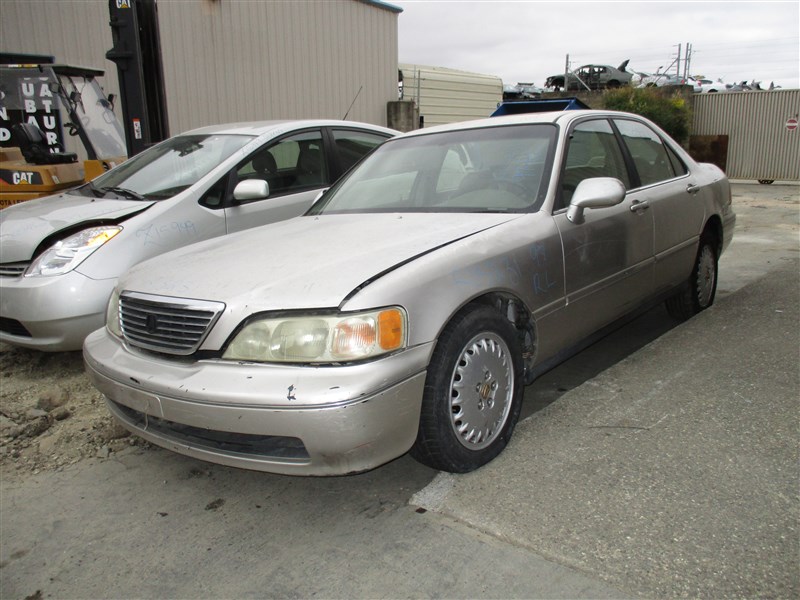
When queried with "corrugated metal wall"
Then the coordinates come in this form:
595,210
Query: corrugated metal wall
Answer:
234,60
228,60
75,33
447,95
759,144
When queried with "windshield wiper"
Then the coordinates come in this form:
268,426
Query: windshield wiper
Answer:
95,192
121,191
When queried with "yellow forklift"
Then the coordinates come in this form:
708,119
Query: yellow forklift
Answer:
57,127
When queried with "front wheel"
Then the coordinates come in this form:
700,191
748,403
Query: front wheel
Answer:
473,392
701,288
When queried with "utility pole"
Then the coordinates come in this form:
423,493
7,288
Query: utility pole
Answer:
687,61
566,74
678,63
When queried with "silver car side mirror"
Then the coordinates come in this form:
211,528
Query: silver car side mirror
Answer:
596,192
251,189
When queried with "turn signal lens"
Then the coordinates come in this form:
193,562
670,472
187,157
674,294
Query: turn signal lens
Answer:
391,329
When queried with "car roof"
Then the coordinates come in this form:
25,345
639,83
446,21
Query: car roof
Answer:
561,116
257,128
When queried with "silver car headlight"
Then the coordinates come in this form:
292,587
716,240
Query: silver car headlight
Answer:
65,255
112,314
321,339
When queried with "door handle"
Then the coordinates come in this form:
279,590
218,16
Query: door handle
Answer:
638,205
692,188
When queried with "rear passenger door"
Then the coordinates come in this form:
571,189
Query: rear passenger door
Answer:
664,185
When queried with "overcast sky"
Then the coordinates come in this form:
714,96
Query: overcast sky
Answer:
526,41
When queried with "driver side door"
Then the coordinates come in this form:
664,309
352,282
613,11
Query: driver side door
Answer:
608,258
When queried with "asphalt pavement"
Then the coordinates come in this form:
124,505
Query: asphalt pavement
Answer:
672,474
669,471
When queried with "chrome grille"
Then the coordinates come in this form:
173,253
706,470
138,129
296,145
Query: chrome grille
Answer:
13,269
164,324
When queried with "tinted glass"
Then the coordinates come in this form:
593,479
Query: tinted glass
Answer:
352,145
648,152
288,165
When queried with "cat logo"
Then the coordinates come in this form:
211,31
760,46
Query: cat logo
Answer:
22,178
123,3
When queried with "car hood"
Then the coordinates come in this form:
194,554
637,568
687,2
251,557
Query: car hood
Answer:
24,226
307,262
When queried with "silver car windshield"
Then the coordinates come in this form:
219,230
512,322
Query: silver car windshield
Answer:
493,169
164,170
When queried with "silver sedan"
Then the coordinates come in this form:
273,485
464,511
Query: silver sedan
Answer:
60,256
409,306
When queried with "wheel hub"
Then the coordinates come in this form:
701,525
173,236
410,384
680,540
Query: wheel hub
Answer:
481,391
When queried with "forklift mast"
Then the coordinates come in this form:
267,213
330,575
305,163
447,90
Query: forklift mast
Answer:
137,54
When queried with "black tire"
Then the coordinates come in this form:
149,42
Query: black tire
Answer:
473,392
766,181
701,288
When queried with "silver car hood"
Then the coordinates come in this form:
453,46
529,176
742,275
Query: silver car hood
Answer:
306,262
24,225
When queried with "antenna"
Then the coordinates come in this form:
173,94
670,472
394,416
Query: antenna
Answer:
353,102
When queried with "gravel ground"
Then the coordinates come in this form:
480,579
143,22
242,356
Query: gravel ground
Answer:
50,415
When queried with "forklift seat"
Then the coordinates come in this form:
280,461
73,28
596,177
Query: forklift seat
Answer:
31,142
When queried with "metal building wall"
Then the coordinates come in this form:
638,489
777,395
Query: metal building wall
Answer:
75,33
233,60
447,95
760,146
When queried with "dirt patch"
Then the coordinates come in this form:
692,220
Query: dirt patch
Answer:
50,415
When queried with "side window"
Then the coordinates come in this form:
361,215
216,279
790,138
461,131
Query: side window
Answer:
291,164
593,152
215,195
677,164
647,150
352,145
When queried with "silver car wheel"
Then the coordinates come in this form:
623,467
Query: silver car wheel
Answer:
481,391
706,277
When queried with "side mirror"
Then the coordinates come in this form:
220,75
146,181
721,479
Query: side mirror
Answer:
596,192
251,189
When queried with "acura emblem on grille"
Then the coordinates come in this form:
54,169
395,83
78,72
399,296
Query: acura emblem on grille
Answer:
152,323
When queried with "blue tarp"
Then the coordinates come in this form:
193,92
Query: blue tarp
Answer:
534,106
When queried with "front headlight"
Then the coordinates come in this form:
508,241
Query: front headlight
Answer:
321,339
68,253
112,314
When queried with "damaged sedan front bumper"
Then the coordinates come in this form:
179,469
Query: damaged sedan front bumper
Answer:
296,420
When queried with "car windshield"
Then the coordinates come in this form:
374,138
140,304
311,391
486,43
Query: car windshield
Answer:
164,170
492,169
